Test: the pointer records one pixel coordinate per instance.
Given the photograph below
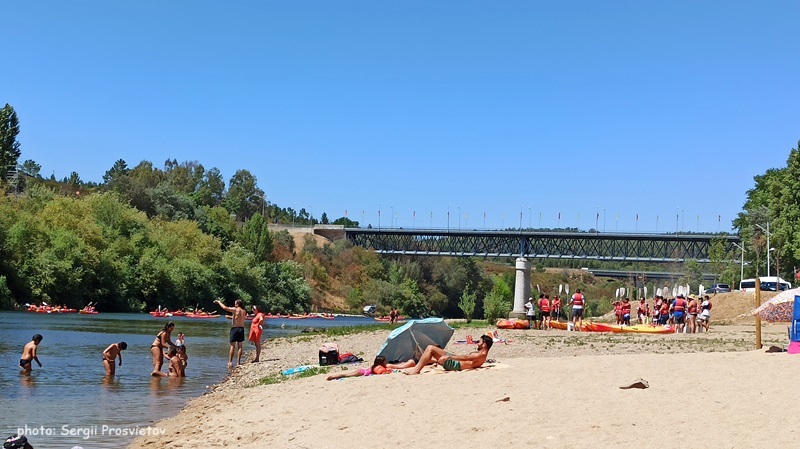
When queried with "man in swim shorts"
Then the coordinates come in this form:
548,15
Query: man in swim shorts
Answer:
110,355
237,328
451,362
29,354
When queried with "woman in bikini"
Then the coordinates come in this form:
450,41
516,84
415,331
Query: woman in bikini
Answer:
161,343
378,367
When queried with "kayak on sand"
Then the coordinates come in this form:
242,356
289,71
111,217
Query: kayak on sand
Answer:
589,326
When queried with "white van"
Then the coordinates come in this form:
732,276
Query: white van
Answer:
768,283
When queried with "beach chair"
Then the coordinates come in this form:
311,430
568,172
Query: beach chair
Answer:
794,329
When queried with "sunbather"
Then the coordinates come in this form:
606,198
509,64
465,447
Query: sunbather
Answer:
378,367
451,362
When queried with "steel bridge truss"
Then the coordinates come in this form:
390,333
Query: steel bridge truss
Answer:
543,245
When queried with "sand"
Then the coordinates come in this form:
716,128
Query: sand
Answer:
550,389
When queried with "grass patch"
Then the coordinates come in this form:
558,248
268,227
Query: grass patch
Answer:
474,324
276,378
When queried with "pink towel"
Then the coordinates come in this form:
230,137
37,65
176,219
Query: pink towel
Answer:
794,347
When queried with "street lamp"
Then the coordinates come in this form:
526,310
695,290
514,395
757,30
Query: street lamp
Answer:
391,219
741,276
768,247
459,217
448,217
530,219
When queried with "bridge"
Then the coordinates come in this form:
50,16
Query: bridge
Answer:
600,246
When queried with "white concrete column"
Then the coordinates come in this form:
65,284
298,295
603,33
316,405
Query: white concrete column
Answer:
522,288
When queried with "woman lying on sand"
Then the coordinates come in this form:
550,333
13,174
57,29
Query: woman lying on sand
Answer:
379,366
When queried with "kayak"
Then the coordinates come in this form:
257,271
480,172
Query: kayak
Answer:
513,324
589,326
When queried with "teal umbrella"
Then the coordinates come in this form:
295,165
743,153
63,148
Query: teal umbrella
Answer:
410,340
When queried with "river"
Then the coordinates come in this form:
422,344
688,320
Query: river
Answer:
71,402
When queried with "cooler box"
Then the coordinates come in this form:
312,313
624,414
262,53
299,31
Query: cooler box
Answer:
328,354
794,329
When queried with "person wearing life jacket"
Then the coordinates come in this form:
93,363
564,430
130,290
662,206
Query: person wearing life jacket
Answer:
679,306
691,314
626,312
544,312
663,313
641,311
578,304
705,313
555,308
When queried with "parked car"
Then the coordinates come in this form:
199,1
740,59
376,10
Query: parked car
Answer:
718,288
370,310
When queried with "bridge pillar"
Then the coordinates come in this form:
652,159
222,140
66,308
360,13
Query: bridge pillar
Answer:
522,288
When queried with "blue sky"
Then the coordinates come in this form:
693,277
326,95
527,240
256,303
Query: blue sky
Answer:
662,109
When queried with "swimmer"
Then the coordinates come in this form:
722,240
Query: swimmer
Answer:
110,354
29,354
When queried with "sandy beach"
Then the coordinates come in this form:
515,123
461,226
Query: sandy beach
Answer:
551,389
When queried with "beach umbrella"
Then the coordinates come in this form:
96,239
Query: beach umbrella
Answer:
413,337
778,308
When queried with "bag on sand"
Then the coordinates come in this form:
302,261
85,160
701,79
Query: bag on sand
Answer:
328,354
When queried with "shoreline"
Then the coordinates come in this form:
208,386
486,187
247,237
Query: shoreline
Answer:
318,413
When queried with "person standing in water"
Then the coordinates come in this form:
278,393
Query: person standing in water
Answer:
237,328
110,355
256,329
29,354
163,341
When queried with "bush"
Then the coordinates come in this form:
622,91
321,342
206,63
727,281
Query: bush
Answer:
467,304
497,302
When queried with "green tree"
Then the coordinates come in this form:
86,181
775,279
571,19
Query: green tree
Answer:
467,304
717,254
120,168
256,238
244,197
211,189
497,302
30,168
9,147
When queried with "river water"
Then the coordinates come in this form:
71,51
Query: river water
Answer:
71,402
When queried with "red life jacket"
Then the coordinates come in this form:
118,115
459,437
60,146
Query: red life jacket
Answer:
577,300
544,305
680,305
556,304
626,308
693,307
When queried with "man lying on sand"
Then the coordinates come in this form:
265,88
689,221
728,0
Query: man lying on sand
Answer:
451,362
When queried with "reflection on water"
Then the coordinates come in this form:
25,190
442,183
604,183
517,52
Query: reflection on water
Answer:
70,394
27,380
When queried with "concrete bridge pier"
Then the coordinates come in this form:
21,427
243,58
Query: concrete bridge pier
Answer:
522,288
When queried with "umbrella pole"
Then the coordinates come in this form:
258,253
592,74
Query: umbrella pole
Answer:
758,318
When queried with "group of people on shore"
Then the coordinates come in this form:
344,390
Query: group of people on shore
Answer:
549,310
689,315
686,315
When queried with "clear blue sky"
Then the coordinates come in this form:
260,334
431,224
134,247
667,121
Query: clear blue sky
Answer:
662,109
